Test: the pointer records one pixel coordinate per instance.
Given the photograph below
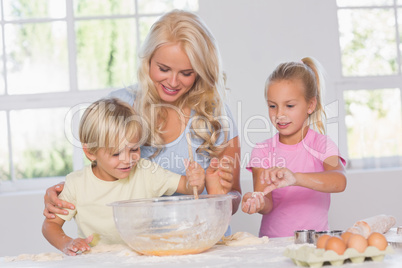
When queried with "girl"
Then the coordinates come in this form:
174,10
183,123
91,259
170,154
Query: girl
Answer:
295,171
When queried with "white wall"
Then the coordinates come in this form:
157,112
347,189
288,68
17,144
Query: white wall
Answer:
254,36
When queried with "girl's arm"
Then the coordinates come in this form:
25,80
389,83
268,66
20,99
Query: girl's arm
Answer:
53,232
223,173
195,176
54,205
257,201
331,180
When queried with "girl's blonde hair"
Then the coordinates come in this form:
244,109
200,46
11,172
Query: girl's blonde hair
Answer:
111,124
310,72
205,97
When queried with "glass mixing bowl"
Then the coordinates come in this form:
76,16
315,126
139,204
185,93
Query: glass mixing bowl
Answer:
173,225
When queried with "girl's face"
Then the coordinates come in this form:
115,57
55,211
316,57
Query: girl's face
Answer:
115,166
289,110
171,72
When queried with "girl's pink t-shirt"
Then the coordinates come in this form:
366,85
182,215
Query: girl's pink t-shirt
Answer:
295,207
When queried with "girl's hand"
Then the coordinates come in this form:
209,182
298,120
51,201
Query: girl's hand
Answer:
253,202
195,176
219,175
277,177
78,244
54,205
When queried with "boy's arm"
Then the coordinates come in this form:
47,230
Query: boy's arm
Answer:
195,176
53,232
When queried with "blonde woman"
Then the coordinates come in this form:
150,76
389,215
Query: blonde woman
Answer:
180,91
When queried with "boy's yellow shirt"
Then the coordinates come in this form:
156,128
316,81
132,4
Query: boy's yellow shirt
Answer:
91,195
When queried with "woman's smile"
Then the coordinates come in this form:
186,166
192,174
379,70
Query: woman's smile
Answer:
169,91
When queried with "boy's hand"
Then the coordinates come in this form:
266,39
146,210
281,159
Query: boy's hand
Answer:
277,177
195,175
253,202
78,244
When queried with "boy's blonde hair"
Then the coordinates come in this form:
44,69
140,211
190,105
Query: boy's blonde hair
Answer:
205,97
111,124
310,72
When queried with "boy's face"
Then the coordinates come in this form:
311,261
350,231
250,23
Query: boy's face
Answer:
115,166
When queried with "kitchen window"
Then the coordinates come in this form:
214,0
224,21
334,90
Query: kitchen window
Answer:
370,42
57,57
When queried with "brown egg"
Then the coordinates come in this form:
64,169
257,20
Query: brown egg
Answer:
336,244
357,242
377,240
345,236
322,240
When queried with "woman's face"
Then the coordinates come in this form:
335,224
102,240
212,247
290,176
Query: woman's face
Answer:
171,72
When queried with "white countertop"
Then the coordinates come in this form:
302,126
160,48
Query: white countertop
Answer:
263,255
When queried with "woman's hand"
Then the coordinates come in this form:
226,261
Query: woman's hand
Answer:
195,176
276,177
253,202
78,244
54,205
219,175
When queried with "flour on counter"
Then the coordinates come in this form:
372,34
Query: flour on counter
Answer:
243,239
50,256
121,250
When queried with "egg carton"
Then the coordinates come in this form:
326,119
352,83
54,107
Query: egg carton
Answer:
308,256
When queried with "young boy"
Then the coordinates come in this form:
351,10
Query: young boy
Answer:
110,133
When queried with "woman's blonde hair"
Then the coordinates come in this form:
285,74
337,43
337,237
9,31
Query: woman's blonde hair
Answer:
111,124
310,72
205,97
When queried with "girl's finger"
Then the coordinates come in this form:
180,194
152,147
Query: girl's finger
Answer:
269,189
246,207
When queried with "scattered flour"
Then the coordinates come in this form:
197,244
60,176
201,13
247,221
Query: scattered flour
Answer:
50,256
121,250
243,239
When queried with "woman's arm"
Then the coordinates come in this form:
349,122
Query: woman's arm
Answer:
223,173
54,205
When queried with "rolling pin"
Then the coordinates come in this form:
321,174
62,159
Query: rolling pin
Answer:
379,223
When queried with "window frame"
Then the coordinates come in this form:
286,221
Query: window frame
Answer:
349,83
69,98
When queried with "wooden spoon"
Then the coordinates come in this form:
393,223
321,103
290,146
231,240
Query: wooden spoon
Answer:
190,153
